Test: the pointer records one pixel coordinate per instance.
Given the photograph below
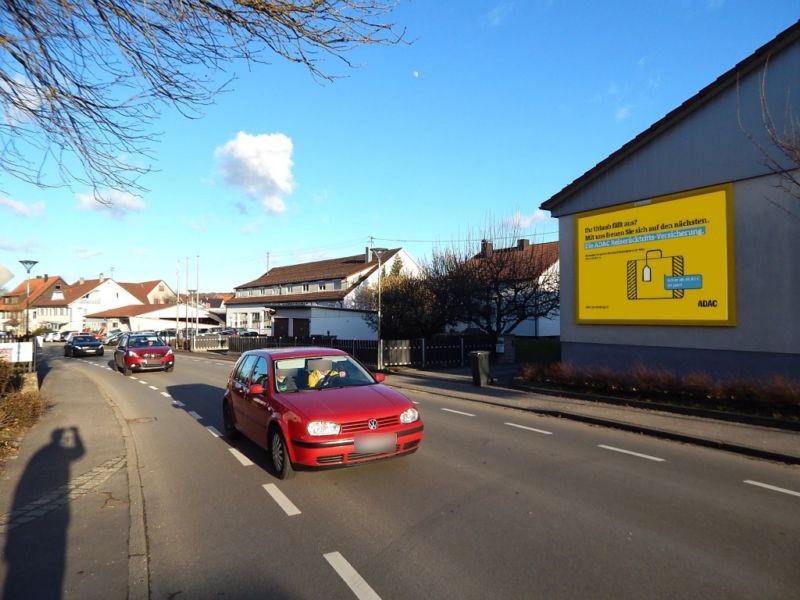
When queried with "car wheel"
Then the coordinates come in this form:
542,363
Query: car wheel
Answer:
170,368
66,352
100,352
231,432
126,370
279,455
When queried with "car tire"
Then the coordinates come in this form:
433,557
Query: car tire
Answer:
279,455
170,368
100,352
126,370
231,433
66,352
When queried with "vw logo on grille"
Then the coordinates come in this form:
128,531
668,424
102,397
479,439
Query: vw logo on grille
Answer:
372,424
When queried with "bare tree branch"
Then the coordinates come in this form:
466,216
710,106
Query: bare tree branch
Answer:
82,80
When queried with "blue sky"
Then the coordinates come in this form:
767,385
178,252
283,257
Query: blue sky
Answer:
493,108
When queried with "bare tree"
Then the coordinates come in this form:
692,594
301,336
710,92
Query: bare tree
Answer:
495,290
81,80
781,153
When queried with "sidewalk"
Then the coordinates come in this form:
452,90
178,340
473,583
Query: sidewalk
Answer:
65,501
741,437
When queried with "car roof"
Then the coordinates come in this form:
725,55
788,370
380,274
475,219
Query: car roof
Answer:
297,352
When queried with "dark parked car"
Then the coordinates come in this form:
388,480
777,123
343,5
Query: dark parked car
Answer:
143,352
82,345
317,407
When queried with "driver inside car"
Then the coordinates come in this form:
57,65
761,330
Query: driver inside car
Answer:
319,369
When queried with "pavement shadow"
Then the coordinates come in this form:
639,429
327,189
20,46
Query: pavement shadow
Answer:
36,537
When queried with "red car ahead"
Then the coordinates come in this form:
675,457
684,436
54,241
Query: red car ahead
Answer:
317,407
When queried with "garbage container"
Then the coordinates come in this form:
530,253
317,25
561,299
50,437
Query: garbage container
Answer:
479,361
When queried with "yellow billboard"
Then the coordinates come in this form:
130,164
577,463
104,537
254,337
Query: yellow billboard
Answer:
664,261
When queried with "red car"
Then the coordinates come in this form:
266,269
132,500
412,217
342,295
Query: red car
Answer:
317,407
143,352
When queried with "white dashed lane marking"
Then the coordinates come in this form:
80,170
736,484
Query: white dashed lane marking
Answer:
771,487
646,456
280,498
166,395
458,412
214,431
526,428
246,462
354,581
194,415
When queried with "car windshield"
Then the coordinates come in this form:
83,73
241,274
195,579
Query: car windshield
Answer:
319,373
144,341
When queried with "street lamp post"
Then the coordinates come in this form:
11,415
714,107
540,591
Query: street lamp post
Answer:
28,264
379,252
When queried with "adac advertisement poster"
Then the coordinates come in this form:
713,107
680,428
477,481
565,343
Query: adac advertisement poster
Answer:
665,261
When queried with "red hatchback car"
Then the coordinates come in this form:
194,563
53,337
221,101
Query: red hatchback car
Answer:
317,407
139,351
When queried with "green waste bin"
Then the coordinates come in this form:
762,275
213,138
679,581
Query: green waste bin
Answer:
479,361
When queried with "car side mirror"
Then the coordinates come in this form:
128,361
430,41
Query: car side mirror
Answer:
379,377
256,389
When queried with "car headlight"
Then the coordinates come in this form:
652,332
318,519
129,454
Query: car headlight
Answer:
323,428
409,415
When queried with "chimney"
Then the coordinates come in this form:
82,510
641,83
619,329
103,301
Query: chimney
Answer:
102,277
81,281
486,248
46,276
522,244
368,255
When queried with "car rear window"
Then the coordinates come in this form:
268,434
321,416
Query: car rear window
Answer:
83,338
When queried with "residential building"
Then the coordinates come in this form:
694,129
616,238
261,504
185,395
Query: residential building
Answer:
45,305
680,250
316,298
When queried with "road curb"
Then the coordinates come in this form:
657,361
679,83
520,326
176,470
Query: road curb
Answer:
138,560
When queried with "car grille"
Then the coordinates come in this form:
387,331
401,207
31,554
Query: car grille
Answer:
353,456
356,426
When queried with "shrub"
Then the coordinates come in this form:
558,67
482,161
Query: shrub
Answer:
777,397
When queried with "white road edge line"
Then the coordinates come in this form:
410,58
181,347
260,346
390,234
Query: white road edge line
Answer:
194,415
613,449
178,403
525,427
351,577
246,462
152,387
771,487
458,412
290,509
166,395
214,431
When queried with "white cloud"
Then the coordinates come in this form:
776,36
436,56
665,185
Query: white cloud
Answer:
415,74
26,100
496,16
114,202
623,112
524,221
260,165
21,209
84,253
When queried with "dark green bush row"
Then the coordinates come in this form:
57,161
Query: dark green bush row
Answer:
777,396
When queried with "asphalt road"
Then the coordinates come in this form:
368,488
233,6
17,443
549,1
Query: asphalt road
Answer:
497,503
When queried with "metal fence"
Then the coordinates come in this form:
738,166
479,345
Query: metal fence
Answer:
452,351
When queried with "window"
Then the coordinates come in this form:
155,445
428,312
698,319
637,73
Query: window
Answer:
260,372
321,286
305,287
244,368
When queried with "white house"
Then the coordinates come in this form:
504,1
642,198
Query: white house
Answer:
316,298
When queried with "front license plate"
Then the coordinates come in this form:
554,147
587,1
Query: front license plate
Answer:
378,442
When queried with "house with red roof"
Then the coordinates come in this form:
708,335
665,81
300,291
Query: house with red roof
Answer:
315,298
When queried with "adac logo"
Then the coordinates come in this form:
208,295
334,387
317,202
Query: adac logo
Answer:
707,303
